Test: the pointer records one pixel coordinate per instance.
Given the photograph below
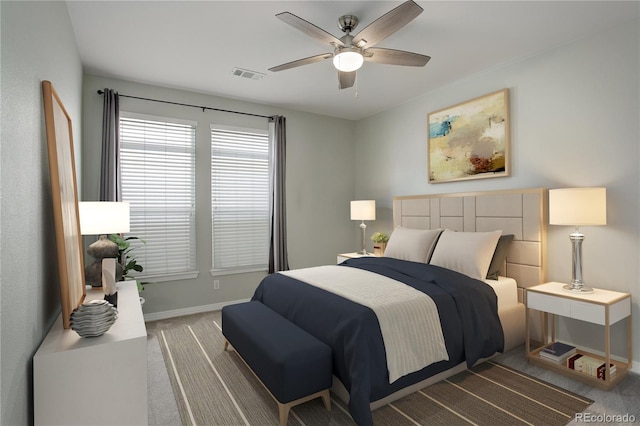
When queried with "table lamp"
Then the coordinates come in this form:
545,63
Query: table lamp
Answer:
363,210
577,207
103,218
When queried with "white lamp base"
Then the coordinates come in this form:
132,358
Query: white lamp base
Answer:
109,281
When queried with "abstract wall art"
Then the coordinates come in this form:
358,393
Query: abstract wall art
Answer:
470,140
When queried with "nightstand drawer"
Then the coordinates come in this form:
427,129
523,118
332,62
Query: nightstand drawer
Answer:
547,303
583,311
589,312
577,309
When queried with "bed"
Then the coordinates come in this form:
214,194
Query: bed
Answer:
477,317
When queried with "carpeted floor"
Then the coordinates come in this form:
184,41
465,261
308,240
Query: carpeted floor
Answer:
214,387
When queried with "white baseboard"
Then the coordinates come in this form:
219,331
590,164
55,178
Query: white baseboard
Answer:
156,316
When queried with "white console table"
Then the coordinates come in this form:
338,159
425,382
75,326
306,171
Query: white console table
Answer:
97,380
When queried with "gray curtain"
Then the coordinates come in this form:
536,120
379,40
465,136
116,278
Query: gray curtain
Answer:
278,257
110,183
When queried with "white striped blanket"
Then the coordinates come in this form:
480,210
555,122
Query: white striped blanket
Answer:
408,318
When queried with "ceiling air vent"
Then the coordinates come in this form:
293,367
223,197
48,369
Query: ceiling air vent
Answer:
253,75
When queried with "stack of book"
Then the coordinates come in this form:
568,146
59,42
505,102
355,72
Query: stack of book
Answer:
590,366
557,351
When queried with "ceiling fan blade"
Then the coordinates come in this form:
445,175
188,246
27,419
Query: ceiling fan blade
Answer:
387,24
346,79
300,62
309,29
395,57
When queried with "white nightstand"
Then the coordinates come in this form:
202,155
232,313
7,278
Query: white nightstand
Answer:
344,256
602,307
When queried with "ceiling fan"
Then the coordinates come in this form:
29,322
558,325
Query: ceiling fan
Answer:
350,51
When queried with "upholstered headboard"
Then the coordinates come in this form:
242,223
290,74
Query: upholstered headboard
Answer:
519,212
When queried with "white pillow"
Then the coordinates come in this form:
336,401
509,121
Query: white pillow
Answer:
469,253
415,245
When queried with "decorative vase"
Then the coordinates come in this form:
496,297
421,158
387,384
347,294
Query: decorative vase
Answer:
378,248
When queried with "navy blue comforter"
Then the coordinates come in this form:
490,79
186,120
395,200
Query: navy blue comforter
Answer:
468,315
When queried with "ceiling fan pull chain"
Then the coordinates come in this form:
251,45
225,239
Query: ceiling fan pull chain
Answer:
355,96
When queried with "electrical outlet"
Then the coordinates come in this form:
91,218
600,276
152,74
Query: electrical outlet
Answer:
216,284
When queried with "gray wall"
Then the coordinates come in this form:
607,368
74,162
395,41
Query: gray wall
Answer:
574,117
574,123
320,179
37,44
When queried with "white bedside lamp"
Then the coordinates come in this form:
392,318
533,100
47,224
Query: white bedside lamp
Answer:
104,218
363,210
577,207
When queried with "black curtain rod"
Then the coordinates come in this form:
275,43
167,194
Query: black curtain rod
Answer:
203,108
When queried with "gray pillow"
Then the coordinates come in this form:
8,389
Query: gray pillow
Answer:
415,245
499,256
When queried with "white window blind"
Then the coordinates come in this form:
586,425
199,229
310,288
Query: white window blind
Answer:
158,179
239,199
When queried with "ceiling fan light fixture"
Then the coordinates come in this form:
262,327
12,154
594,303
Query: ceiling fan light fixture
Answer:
348,59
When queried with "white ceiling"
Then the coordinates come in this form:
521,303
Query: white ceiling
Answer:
194,45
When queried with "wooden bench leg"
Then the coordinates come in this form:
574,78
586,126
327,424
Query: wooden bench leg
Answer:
326,399
226,344
283,411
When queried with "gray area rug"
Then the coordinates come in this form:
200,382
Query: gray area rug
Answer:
214,387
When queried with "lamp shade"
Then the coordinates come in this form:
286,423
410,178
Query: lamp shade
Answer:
103,217
363,210
578,206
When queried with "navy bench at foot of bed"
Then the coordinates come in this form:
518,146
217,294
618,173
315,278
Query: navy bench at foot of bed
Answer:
293,366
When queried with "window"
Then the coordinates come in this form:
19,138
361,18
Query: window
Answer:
157,157
239,199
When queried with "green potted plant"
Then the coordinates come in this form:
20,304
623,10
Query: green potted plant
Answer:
380,240
127,262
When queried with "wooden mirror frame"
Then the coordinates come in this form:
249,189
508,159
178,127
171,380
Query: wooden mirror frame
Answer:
64,192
